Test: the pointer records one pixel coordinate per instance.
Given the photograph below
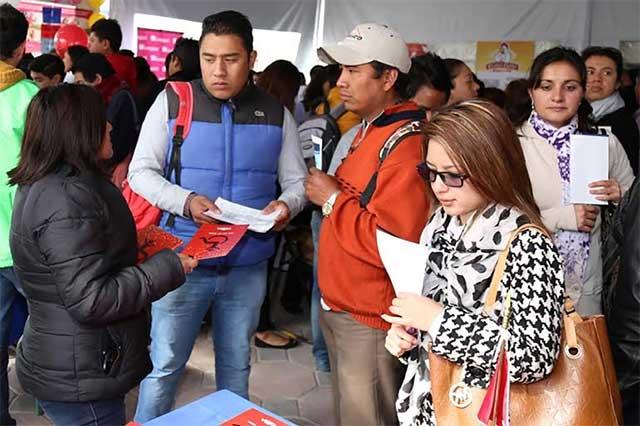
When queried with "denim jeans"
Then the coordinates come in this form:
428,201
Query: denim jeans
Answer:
235,296
107,412
9,288
319,346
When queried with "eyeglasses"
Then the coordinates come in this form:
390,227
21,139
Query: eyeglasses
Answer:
453,180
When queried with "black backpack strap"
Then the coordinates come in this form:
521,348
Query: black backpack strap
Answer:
403,132
338,111
175,164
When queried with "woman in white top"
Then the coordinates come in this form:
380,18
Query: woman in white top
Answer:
556,86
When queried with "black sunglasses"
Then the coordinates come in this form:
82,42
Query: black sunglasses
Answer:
453,180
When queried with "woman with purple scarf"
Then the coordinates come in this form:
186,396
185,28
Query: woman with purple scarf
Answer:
556,86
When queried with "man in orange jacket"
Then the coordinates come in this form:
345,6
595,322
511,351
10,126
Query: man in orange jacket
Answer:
355,287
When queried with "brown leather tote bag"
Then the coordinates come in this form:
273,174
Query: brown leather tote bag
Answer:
581,390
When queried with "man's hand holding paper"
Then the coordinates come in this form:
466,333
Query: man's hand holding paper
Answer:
258,220
197,208
284,215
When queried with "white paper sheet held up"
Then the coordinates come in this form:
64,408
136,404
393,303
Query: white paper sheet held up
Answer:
589,163
317,150
404,261
238,214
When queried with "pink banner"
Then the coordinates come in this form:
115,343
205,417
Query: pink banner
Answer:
154,46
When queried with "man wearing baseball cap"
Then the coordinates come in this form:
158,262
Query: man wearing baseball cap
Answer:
376,186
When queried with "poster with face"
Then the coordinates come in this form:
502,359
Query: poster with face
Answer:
499,62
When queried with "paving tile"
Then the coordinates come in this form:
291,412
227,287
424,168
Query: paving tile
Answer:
283,407
280,380
323,378
186,396
130,403
23,404
31,419
302,422
14,384
306,332
208,381
302,356
202,355
269,355
135,391
191,378
317,406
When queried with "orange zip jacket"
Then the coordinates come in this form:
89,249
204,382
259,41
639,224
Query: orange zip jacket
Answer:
350,272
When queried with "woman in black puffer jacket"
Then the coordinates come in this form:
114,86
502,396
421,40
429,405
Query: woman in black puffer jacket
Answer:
73,241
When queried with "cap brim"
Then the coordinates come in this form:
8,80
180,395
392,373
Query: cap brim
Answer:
341,54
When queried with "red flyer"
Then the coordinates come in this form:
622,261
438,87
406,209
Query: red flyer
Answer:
253,417
214,240
153,239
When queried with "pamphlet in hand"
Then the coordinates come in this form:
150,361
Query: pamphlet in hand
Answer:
253,417
152,239
589,163
404,261
241,215
214,240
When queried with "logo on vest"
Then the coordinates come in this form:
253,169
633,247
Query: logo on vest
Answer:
258,113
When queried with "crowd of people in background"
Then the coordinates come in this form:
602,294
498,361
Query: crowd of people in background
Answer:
406,137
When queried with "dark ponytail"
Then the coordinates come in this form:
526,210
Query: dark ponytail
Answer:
548,57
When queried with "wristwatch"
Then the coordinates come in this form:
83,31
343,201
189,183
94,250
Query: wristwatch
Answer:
327,207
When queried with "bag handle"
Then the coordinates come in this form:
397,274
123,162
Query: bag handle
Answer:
570,316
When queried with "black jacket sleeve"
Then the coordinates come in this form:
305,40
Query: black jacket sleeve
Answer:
624,321
72,243
121,113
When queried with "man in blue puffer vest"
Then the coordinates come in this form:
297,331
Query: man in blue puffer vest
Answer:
242,144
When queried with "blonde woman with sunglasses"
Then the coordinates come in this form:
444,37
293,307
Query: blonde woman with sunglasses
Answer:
475,168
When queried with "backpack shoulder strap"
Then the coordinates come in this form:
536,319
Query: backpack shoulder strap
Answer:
338,111
404,131
184,90
181,129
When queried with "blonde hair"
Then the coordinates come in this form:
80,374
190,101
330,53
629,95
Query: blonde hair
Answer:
479,137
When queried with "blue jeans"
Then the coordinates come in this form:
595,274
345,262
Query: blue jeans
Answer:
9,289
107,412
319,346
235,296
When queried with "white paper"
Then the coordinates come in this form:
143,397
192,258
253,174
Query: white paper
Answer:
589,163
404,261
238,214
317,150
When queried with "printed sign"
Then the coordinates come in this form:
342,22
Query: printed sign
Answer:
154,46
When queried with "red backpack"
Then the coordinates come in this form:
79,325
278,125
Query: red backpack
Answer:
144,213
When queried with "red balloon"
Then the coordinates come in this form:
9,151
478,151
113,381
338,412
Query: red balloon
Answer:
69,35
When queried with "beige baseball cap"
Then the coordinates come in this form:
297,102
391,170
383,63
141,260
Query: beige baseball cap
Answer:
367,43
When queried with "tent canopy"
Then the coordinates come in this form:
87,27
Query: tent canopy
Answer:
576,23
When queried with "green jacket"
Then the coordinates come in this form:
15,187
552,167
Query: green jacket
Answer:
15,94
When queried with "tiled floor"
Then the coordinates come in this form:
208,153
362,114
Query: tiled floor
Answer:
284,382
